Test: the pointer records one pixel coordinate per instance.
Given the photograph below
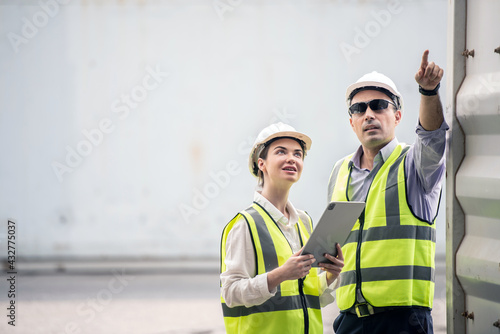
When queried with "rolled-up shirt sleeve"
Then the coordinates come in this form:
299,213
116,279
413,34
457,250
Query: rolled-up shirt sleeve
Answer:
429,155
425,168
239,284
327,293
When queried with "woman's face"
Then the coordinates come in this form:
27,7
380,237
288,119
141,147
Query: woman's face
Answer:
284,162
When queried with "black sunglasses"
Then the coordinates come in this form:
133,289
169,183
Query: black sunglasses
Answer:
377,105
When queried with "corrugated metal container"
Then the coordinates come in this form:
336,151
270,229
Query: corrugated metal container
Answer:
473,170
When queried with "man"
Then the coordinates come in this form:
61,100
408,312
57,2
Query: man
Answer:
387,283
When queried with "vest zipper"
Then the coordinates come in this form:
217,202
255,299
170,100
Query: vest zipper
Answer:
359,294
304,305
300,280
301,290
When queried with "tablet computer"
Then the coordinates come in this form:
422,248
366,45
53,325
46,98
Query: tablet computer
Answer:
333,227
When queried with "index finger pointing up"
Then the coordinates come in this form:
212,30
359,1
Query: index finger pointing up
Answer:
425,57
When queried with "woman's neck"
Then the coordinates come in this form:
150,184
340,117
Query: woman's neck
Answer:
278,197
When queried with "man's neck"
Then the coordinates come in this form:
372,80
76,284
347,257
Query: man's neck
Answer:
367,158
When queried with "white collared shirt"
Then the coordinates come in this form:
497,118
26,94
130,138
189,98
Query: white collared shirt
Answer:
240,286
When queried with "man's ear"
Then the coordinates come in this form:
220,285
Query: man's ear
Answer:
399,116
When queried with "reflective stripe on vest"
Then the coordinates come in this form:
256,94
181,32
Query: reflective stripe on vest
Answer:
389,254
295,308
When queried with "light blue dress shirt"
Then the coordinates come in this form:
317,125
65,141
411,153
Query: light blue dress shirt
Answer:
424,167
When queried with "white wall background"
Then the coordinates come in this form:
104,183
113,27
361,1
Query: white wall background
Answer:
224,70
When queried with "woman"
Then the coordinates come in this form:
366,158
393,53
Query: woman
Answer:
266,285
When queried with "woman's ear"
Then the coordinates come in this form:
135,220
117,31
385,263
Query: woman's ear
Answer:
261,164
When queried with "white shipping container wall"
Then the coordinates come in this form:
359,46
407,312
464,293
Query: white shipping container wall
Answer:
125,125
473,184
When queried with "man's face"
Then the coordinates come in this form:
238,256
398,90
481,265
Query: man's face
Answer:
374,128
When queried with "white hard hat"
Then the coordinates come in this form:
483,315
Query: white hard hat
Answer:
276,130
375,81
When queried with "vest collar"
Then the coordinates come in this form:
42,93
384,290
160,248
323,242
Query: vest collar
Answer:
276,214
384,153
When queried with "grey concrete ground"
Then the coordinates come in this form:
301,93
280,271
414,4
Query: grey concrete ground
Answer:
128,299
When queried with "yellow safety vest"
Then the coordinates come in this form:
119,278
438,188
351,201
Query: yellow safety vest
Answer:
295,308
389,254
